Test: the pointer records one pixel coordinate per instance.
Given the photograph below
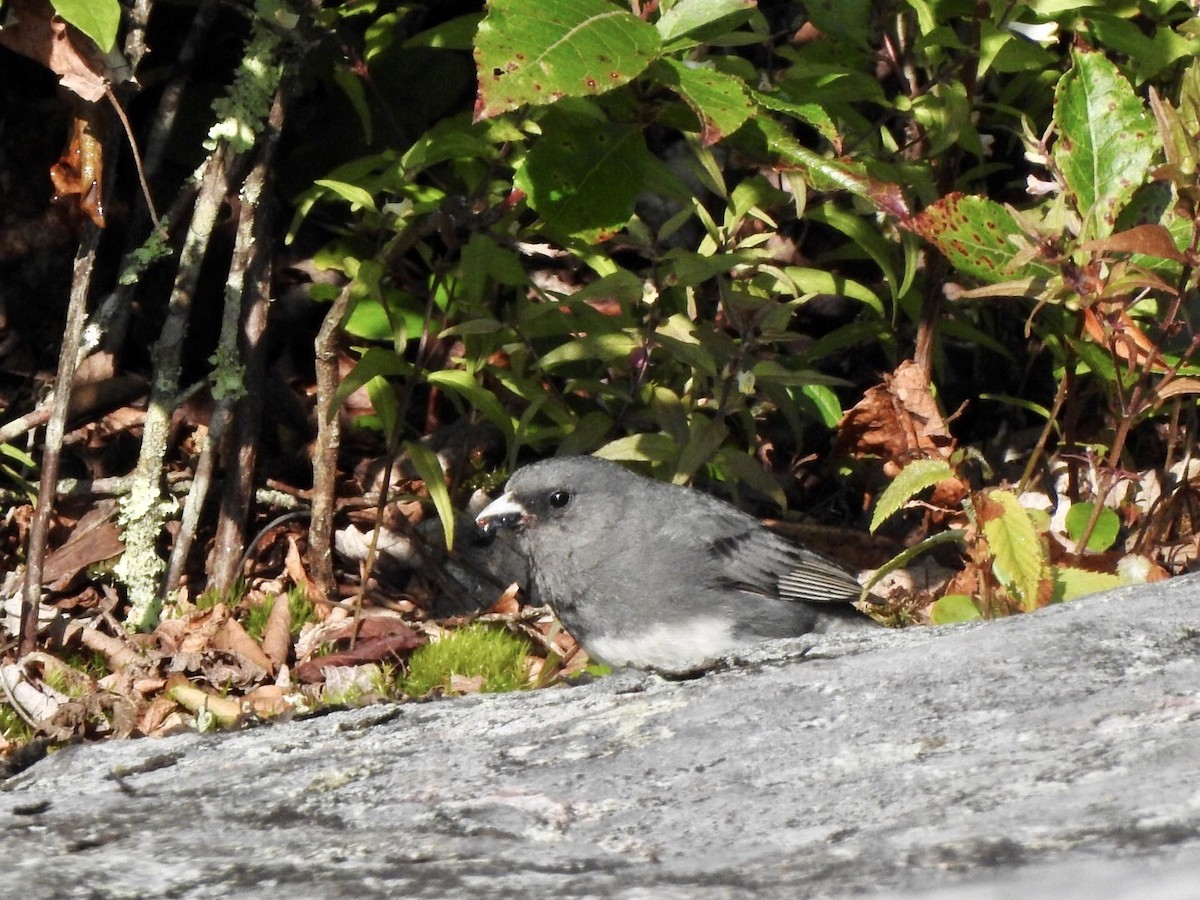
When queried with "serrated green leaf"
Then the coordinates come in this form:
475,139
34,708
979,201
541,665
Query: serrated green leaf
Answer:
979,237
1106,141
687,16
429,468
535,52
98,19
823,173
718,100
847,20
954,608
583,176
1104,535
1071,583
1018,560
810,113
913,478
953,536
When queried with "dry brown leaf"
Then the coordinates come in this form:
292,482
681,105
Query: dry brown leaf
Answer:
94,539
268,701
79,172
155,714
365,651
466,684
897,421
233,639
1119,332
277,637
294,564
1150,239
507,604
198,631
33,30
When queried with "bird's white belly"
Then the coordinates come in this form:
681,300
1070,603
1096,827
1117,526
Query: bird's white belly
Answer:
674,646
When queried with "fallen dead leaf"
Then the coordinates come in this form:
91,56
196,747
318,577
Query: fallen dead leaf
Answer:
897,421
277,637
232,638
370,650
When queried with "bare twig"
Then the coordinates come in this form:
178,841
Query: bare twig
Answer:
320,543
81,283
228,356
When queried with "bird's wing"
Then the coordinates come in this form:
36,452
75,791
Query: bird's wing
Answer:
756,560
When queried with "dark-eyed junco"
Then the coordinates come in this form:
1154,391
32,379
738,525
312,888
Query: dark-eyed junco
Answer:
644,573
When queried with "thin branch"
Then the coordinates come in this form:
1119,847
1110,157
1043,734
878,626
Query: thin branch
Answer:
35,558
320,538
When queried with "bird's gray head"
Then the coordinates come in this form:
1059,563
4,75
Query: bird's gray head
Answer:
548,491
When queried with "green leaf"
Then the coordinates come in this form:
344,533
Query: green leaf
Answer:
822,173
473,392
351,193
749,471
687,16
718,100
455,34
539,51
429,468
1018,560
809,113
913,478
1104,535
583,176
705,439
655,448
866,235
954,608
1106,140
1071,583
687,269
381,320
602,348
98,19
826,403
810,282
387,407
847,20
979,237
903,558
376,362
17,454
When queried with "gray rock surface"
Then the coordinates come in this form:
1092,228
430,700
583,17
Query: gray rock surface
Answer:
1055,755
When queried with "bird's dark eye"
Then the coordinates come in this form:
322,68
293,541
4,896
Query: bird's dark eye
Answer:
559,499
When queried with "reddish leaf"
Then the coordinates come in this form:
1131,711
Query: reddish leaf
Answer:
366,651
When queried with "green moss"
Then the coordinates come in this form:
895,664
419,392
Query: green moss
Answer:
13,728
230,598
477,650
299,604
